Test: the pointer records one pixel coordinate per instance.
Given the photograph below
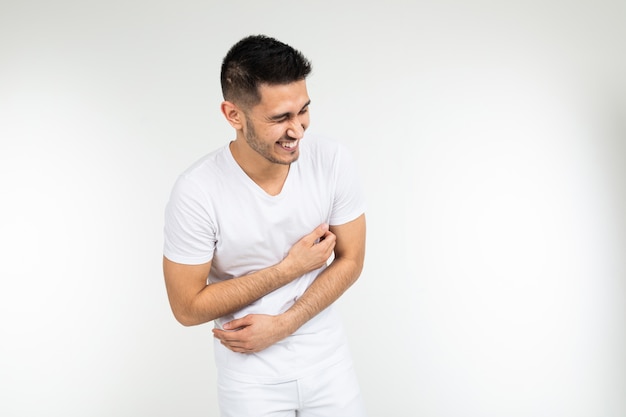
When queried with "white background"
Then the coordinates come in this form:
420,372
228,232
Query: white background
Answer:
491,137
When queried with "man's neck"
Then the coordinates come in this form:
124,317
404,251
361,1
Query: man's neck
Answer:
268,175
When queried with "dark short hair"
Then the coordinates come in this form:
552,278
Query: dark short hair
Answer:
256,60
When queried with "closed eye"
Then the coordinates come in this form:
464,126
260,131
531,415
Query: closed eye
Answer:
279,118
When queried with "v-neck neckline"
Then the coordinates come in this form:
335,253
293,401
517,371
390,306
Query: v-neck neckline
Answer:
252,184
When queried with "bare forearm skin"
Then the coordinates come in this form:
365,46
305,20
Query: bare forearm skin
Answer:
325,290
334,280
222,298
194,302
256,332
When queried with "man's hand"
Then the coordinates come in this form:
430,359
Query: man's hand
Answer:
252,333
194,302
256,332
309,253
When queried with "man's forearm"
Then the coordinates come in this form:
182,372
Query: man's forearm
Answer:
334,280
324,291
226,297
194,302
256,332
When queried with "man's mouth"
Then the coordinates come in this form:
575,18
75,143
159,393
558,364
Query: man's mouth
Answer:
289,144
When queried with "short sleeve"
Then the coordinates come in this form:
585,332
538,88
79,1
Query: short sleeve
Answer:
189,231
349,199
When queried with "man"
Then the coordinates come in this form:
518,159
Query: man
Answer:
249,231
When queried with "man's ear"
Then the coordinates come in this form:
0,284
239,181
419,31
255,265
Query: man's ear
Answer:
233,114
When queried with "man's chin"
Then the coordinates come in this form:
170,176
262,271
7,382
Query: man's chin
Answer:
286,160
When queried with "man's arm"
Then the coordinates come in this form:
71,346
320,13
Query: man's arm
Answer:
256,332
337,278
194,302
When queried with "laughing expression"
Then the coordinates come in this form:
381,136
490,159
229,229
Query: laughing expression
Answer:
275,126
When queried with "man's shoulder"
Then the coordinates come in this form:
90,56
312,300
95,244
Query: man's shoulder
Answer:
209,165
206,175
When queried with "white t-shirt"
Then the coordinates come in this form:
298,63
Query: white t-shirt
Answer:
217,213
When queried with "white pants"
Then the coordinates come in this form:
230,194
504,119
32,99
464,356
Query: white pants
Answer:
331,392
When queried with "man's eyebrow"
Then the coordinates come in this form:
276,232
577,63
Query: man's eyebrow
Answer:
288,114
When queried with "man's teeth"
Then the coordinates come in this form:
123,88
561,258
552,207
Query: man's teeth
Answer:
289,145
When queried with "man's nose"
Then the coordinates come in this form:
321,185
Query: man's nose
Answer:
296,129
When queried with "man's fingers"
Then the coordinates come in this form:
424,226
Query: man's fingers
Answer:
236,324
318,233
328,235
321,234
227,336
233,340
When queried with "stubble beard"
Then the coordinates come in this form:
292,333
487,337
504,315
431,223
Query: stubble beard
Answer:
263,149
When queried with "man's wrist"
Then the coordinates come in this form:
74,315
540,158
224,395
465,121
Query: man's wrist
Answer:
289,322
285,271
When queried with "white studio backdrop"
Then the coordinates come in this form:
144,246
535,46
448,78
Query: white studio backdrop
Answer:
491,137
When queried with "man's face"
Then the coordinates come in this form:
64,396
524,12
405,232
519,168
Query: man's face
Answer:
275,126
